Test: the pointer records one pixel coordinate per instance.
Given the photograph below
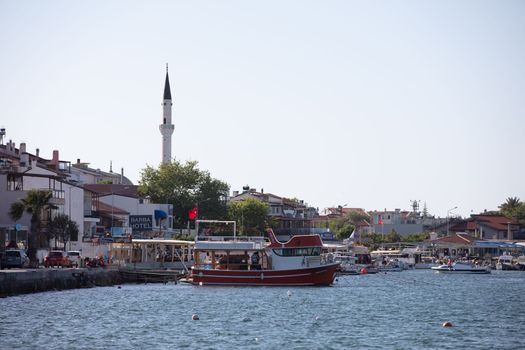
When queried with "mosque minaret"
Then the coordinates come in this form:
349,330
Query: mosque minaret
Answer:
166,128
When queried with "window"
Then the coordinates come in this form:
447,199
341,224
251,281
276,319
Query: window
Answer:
309,251
15,182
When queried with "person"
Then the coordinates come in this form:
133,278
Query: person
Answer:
255,261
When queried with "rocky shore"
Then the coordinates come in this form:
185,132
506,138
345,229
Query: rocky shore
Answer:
13,282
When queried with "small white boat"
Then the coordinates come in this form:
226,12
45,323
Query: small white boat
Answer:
461,267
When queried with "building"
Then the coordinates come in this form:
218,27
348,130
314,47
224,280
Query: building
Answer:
166,128
20,172
291,215
402,222
488,226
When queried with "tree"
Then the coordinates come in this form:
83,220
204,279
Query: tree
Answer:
36,203
186,187
425,211
355,217
513,208
250,215
63,229
342,227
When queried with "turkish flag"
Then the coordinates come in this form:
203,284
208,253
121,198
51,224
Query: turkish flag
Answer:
192,214
380,221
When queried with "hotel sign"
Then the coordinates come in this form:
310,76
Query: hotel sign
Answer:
140,222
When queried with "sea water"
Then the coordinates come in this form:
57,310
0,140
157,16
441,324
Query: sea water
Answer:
397,310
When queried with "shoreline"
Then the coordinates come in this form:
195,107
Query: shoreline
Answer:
16,282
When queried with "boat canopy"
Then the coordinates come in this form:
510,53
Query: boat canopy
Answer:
494,244
228,245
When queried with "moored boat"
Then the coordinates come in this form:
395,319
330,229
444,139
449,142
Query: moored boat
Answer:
461,267
297,262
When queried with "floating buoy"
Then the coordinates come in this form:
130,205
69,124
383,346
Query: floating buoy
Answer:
447,324
364,271
317,318
289,293
119,287
200,283
194,317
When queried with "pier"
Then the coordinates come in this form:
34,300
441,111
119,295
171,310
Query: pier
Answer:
22,281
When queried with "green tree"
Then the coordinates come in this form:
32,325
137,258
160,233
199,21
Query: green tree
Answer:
63,229
36,203
185,186
342,227
513,208
355,217
392,237
250,215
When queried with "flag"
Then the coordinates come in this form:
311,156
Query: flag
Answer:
192,214
380,221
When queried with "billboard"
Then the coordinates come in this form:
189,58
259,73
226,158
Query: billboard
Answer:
140,222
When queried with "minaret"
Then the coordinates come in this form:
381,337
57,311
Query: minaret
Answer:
166,128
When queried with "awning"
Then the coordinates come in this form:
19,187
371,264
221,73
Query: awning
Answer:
494,244
160,214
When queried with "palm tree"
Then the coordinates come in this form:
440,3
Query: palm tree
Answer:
510,207
35,203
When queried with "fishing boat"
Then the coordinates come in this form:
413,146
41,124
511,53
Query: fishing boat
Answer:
461,267
250,262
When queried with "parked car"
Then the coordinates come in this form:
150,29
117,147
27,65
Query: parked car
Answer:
15,258
75,258
57,258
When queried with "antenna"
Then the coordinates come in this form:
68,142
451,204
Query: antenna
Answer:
2,134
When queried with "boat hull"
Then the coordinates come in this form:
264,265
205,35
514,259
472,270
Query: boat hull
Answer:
316,276
452,270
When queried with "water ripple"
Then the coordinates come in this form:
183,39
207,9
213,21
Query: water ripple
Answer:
394,311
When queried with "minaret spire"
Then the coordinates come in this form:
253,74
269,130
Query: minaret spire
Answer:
166,128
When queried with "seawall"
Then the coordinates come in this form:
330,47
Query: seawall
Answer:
13,282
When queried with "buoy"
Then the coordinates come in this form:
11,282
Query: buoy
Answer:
364,271
447,324
119,287
317,318
289,293
200,283
194,317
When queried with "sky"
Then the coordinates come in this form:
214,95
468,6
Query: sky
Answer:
368,104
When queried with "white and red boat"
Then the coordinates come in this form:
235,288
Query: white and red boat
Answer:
298,262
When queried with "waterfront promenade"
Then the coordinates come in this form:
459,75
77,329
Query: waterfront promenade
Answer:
22,281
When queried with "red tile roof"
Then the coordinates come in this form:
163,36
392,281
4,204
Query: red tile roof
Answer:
497,222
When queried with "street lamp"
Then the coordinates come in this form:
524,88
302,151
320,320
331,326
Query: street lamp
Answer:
448,212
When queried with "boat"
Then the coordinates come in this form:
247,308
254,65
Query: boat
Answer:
510,263
390,266
461,267
347,265
249,262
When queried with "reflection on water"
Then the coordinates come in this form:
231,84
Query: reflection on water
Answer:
402,310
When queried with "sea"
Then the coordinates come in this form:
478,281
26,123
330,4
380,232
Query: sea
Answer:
396,310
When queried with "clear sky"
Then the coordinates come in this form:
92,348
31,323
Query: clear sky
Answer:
365,103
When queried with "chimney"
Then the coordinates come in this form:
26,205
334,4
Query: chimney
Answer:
121,175
78,160
22,147
38,152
